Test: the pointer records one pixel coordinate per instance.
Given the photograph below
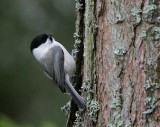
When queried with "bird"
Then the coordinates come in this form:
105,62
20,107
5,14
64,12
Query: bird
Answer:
57,64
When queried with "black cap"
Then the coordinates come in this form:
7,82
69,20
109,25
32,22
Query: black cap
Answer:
38,40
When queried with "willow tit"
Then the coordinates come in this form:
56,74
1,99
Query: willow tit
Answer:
57,63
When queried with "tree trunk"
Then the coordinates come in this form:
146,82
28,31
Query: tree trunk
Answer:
117,46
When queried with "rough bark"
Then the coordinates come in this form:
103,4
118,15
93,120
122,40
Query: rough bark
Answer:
118,44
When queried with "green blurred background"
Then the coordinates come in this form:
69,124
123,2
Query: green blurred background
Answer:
27,97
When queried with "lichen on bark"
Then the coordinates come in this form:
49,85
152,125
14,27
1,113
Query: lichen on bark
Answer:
120,63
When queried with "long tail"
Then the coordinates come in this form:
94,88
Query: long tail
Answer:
76,97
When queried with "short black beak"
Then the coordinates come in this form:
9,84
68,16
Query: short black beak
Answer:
50,36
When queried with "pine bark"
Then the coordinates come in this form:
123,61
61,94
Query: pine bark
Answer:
117,44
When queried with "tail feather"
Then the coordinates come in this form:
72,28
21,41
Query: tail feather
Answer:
76,97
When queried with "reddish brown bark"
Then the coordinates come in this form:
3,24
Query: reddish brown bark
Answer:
121,62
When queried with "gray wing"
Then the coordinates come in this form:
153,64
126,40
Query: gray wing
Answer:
55,66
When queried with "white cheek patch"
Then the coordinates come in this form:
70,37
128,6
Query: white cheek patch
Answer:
40,51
